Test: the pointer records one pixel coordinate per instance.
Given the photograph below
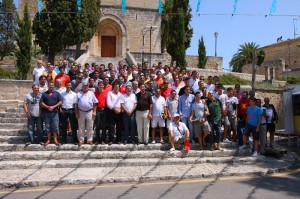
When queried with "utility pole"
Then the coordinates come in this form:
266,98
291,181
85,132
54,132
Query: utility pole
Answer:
253,69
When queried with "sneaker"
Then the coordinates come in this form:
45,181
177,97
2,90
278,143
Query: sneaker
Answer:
242,147
254,154
227,141
212,147
162,142
153,142
172,149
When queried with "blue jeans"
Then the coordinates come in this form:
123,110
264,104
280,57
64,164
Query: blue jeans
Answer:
39,126
51,122
129,127
215,128
189,124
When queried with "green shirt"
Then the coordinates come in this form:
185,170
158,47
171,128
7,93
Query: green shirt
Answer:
215,109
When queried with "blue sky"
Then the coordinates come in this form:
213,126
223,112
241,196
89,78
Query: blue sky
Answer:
236,30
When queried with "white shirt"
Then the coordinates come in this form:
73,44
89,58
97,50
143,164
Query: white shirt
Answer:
194,84
232,100
223,98
68,99
178,130
263,118
210,87
113,100
129,101
158,105
86,100
37,72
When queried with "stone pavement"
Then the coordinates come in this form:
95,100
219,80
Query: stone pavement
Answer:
36,165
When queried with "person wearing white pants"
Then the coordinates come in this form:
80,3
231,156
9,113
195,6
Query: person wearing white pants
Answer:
85,109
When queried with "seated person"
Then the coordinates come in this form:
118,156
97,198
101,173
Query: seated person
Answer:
178,132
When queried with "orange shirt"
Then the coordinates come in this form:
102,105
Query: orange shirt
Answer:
53,75
159,81
64,79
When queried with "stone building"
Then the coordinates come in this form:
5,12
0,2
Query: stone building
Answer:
282,59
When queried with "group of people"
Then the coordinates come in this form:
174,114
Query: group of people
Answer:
129,103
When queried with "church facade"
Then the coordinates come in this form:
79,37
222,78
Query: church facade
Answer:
117,31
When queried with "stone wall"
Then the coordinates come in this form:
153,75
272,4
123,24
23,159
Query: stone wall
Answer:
276,98
14,89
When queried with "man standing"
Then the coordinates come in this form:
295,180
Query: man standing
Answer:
33,113
215,108
185,103
68,114
128,104
172,108
143,114
244,103
62,76
85,109
38,71
115,118
178,132
232,114
101,116
254,114
198,118
272,118
50,101
158,115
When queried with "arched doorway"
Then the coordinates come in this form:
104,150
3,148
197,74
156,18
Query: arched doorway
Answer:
109,38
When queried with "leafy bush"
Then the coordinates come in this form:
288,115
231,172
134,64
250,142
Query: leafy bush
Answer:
290,80
229,79
8,74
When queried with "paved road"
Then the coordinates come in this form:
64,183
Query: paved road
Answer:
284,185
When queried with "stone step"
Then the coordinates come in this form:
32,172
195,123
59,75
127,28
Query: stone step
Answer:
85,147
89,163
12,132
13,139
137,174
21,120
14,110
71,155
19,126
12,115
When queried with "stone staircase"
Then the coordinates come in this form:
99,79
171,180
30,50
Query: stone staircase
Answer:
36,165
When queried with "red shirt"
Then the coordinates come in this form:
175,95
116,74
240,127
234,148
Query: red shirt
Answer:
107,88
101,97
123,89
64,79
242,107
165,92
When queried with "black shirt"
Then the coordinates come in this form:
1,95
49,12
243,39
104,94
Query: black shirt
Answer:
143,101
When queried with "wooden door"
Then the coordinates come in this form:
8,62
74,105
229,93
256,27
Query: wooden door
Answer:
108,46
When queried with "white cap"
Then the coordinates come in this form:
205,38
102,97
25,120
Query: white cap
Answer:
176,115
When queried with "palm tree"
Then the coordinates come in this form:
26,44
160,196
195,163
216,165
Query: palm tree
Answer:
244,56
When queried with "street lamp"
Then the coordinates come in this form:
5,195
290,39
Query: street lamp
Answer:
216,36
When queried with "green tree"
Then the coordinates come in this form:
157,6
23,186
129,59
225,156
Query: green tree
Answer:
60,25
7,26
180,8
179,51
201,53
23,38
244,56
165,19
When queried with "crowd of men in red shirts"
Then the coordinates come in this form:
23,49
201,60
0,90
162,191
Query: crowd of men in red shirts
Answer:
125,104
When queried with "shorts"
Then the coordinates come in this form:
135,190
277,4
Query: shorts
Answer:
271,127
200,128
232,123
249,129
169,122
51,122
157,121
226,121
179,140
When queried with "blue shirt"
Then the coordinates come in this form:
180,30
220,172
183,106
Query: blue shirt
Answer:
253,114
51,99
185,104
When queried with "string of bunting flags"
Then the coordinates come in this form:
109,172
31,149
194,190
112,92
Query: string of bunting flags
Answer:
161,6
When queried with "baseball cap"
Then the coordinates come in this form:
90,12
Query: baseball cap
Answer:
176,115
